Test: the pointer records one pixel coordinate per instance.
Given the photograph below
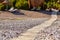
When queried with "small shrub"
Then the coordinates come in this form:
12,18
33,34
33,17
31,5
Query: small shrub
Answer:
52,4
22,4
1,6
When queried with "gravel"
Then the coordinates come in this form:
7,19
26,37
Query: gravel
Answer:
13,28
50,33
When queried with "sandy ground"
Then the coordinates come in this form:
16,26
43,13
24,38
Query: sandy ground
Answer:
37,14
23,14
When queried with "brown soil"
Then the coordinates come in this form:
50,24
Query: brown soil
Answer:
35,14
58,16
23,14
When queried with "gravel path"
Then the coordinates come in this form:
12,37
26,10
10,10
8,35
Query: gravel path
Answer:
32,33
13,28
50,33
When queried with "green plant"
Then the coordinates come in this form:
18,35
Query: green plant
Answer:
22,4
1,6
52,4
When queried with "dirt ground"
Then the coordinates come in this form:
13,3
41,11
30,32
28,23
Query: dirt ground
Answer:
23,14
35,14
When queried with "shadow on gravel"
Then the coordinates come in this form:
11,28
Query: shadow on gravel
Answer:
45,12
58,13
17,12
